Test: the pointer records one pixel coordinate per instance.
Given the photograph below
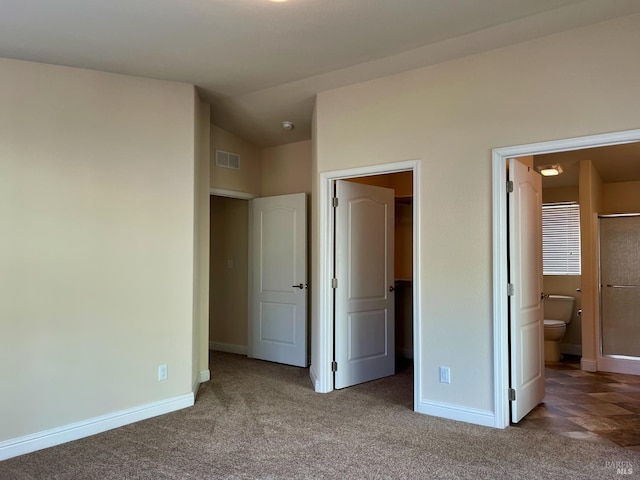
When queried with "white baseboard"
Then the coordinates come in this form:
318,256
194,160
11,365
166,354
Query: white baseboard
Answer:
457,412
571,349
228,348
588,365
204,376
74,431
628,366
314,379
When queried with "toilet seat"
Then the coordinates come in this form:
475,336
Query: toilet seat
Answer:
554,324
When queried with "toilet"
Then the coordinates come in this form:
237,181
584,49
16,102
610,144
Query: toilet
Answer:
558,311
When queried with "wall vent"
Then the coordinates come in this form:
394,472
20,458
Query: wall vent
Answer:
227,159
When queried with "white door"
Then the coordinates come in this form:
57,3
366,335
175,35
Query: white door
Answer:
526,325
278,326
364,304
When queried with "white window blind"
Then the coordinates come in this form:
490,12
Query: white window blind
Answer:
561,239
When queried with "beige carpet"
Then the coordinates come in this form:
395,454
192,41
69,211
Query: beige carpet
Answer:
262,420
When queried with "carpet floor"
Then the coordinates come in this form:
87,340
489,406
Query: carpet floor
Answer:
259,420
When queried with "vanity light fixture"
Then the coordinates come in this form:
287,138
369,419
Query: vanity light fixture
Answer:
550,170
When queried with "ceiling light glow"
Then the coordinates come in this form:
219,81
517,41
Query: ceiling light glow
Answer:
550,170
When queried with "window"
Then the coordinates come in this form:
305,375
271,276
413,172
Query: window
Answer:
561,239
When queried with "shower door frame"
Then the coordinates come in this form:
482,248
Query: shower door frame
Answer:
611,363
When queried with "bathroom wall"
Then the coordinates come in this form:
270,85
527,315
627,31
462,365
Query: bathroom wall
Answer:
621,197
566,284
590,204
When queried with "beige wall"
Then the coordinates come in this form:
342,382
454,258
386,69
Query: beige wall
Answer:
201,248
97,209
229,281
590,205
247,178
560,194
450,116
286,169
623,197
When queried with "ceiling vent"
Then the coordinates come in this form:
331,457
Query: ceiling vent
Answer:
227,160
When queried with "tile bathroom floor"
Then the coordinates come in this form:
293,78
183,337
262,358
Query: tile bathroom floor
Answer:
598,407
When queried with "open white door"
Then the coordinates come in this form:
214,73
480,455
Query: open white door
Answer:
526,325
364,300
279,279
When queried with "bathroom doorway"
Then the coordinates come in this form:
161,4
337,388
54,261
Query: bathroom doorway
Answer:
502,344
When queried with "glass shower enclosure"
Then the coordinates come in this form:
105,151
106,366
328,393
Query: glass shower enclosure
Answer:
620,286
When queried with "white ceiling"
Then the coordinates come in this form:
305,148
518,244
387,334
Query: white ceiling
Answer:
259,63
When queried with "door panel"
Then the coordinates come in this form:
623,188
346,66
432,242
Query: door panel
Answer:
526,326
279,308
364,317
367,335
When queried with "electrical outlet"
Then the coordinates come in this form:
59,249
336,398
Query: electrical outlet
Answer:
163,372
445,375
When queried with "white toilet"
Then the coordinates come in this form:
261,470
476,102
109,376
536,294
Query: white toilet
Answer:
558,312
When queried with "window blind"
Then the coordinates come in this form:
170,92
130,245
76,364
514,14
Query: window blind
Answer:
561,239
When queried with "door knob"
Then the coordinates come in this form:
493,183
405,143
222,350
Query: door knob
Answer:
300,286
391,288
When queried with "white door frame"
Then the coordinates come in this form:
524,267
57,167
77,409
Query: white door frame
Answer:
500,274
324,380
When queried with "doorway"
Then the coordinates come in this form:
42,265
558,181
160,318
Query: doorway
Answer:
321,372
256,307
229,267
500,257
373,268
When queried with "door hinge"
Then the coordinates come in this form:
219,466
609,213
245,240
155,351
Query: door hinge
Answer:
334,283
512,395
334,202
334,366
510,186
511,290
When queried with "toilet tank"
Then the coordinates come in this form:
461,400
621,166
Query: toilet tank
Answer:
559,307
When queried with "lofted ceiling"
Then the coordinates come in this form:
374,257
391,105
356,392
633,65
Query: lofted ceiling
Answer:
259,63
